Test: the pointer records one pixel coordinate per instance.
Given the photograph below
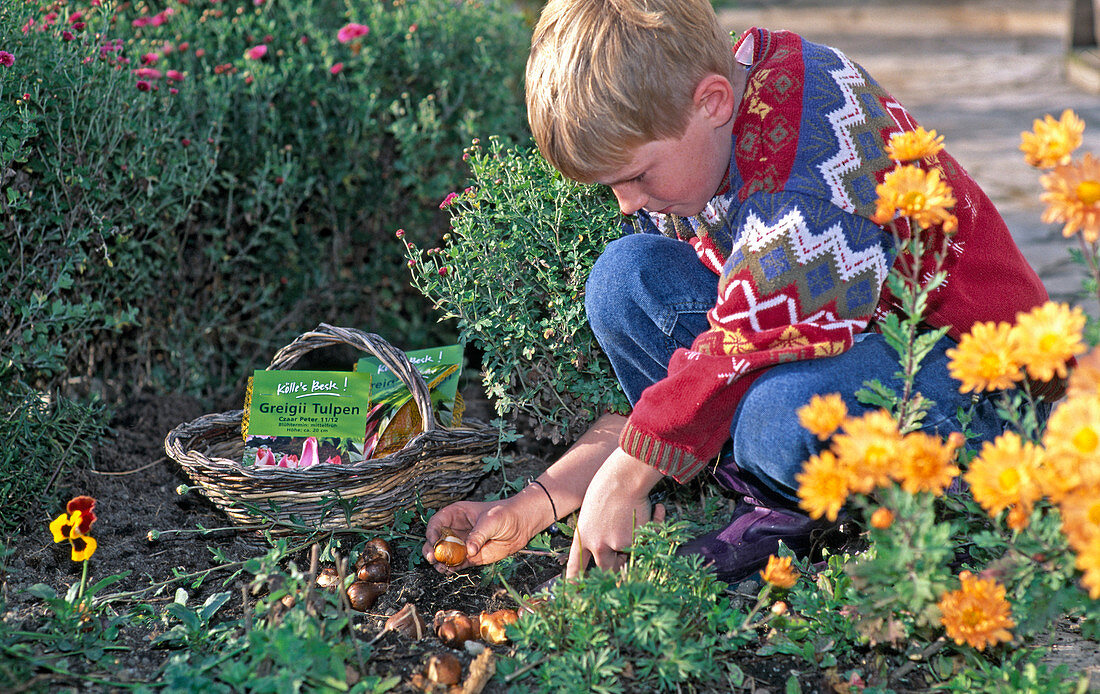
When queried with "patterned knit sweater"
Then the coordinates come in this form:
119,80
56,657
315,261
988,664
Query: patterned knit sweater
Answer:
801,265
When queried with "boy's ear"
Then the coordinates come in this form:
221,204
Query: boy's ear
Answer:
715,95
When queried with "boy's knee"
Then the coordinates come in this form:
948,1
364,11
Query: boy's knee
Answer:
613,281
768,440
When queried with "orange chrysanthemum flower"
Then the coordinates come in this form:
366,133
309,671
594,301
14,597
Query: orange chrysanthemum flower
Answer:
920,195
1084,381
1081,516
914,145
986,358
1052,142
1072,443
823,415
1004,476
868,448
779,573
822,486
928,462
1072,194
977,614
1088,561
1047,337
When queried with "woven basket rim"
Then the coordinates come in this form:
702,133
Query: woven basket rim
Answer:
178,440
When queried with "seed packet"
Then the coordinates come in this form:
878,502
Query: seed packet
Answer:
297,419
394,419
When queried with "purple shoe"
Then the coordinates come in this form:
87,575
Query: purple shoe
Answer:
743,547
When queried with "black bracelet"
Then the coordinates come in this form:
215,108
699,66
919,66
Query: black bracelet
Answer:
552,506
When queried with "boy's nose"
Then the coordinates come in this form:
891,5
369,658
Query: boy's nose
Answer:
630,201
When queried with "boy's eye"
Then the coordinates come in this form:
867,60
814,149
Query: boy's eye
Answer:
638,178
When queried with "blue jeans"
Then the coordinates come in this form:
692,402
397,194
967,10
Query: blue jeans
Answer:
647,295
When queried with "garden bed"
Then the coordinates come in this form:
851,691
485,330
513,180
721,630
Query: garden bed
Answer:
135,487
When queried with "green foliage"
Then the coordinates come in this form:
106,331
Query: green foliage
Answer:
1020,673
819,627
905,570
659,625
175,230
44,435
306,647
512,272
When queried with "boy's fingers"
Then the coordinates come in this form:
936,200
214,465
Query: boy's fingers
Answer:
575,565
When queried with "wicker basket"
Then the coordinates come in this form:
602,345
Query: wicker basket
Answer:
437,466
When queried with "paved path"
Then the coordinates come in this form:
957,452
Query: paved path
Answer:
977,71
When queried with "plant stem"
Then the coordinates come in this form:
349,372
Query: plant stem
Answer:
83,581
756,608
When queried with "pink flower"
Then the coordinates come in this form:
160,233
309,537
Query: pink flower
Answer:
140,22
309,453
399,233
351,31
6,59
149,58
264,456
334,460
256,52
443,271
174,75
147,73
75,17
173,90
161,17
336,68
289,461
28,26
143,86
79,26
67,35
448,200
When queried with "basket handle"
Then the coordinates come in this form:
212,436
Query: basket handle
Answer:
325,335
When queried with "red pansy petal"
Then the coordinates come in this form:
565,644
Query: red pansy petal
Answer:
86,506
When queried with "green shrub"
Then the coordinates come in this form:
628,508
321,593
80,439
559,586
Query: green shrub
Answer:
512,271
176,230
43,436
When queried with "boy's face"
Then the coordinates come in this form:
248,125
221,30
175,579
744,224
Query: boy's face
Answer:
674,176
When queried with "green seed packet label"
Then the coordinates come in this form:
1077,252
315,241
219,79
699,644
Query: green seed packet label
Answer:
439,366
329,404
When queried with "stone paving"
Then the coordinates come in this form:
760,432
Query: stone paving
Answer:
977,71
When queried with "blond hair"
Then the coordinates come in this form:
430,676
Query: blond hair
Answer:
605,76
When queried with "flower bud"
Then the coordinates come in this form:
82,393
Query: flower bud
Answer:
882,518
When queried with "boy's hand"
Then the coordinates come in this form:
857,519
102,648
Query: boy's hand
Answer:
492,530
616,501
